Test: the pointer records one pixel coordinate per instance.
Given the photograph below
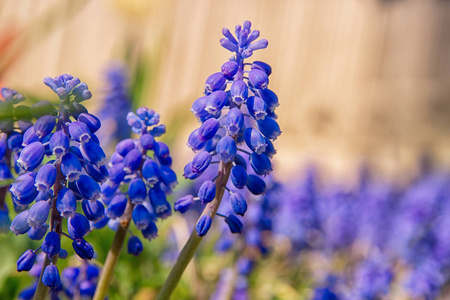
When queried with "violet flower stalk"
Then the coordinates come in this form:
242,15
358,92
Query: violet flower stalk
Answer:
240,119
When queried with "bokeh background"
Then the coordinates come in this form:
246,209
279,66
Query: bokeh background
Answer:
359,81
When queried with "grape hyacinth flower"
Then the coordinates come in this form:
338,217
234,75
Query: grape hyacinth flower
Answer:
237,117
60,163
143,166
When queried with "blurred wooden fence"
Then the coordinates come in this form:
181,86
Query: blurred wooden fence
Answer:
357,79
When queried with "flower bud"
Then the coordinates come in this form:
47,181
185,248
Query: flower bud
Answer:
116,207
99,174
207,191
203,225
256,108
208,129
66,203
26,261
161,149
51,244
78,226
258,78
260,163
134,245
214,82
83,249
92,122
256,185
239,92
234,224
50,277
198,107
93,210
89,189
238,203
14,142
141,217
63,254
188,174
31,156
150,171
93,153
261,44
137,191
23,188
59,144
226,149
44,126
168,177
194,141
45,178
216,101
19,224
184,204
238,176
262,66
201,162
147,141
227,44
38,214
229,69
270,98
269,128
37,233
132,161
159,203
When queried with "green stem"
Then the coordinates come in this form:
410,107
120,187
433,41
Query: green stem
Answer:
192,244
113,254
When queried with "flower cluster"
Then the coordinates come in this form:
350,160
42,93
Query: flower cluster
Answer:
236,114
144,166
60,164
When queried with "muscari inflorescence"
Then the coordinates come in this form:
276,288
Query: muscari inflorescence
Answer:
236,115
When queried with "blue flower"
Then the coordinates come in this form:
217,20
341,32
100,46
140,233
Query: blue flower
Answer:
203,225
135,246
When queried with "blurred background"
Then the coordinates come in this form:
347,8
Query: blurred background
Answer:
360,82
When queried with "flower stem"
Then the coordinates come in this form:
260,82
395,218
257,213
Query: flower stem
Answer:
192,244
55,225
113,254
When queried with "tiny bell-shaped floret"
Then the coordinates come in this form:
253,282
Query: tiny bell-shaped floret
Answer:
93,210
117,173
150,171
201,162
158,130
194,141
19,224
29,136
238,176
132,161
254,140
99,174
88,187
216,102
262,66
141,217
239,92
188,174
212,143
44,126
150,232
161,150
92,122
184,204
234,224
45,178
270,149
198,107
14,141
59,144
37,233
134,245
234,121
269,128
270,98
38,214
93,153
168,177
66,203
81,92
23,188
256,185
137,191
51,244
78,226
256,108
116,207
203,225
125,146
80,132
258,78
159,203
215,82
260,163
226,149
208,129
238,203
26,261
229,69
147,141
71,167
50,277
83,249
207,191
31,156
